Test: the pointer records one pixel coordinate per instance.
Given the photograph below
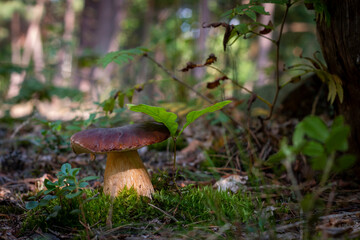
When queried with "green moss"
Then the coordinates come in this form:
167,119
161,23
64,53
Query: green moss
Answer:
204,205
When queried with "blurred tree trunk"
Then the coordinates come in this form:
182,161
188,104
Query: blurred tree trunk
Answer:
16,38
32,47
265,46
65,54
340,45
201,51
100,27
144,72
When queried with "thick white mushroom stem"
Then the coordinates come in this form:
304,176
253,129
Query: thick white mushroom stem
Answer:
126,169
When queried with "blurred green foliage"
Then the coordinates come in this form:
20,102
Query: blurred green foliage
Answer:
32,88
171,30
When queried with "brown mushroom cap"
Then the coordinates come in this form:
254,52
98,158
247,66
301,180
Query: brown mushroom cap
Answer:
120,139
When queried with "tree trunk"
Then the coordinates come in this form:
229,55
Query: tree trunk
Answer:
100,26
339,41
201,51
32,48
265,46
65,54
145,72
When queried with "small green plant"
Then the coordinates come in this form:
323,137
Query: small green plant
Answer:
333,81
65,194
159,114
52,137
314,139
67,186
322,145
119,96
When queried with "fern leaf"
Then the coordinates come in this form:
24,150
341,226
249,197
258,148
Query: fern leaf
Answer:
122,56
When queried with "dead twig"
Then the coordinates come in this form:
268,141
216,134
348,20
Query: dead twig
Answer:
167,214
296,224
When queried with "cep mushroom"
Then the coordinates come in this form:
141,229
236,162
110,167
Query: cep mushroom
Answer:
123,166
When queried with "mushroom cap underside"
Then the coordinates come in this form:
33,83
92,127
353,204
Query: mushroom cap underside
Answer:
120,139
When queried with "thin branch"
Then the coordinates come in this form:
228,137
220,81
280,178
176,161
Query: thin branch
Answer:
278,87
263,36
316,100
240,86
178,80
167,214
189,87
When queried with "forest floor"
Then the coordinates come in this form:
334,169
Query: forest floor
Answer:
259,202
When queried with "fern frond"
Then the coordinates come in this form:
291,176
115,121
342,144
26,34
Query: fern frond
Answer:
122,56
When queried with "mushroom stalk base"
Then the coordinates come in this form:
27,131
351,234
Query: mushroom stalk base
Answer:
126,169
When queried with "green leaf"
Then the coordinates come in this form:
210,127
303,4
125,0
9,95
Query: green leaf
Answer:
49,197
338,139
313,149
73,128
108,105
338,122
31,205
193,115
89,178
90,120
83,184
129,94
70,180
315,128
251,15
49,185
275,158
242,28
72,195
227,14
69,188
298,136
43,202
159,114
240,9
259,9
74,171
121,99
49,191
339,89
344,162
75,211
65,168
61,181
56,126
319,163
332,91
122,56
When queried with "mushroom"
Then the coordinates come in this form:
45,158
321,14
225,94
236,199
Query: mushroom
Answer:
123,166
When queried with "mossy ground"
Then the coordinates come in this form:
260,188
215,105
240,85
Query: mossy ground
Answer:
194,208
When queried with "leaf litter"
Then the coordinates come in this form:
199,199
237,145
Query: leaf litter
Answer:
23,171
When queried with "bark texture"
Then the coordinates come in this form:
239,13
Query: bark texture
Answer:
339,41
126,169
